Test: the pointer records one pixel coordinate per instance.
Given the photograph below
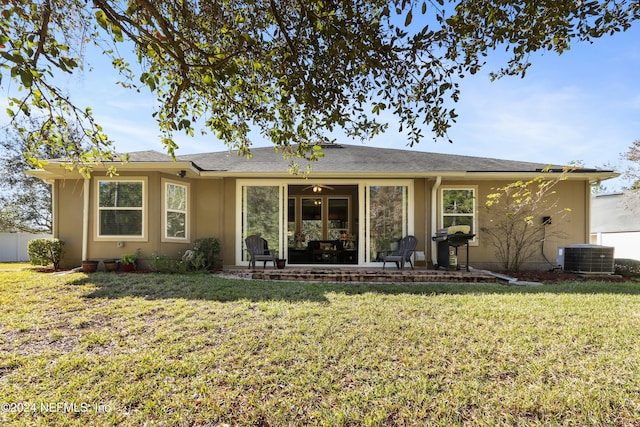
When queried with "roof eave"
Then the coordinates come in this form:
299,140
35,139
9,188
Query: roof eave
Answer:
577,174
58,170
590,175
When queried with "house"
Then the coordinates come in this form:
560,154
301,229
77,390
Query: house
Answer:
614,223
357,202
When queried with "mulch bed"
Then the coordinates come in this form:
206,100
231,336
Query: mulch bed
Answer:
556,276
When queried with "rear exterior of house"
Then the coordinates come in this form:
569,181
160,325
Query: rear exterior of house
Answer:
355,205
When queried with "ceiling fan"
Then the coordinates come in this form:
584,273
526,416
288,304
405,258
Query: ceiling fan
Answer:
317,188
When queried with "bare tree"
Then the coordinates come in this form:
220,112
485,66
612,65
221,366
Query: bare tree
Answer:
632,173
516,222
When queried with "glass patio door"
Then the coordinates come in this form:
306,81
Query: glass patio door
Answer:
262,213
386,207
388,218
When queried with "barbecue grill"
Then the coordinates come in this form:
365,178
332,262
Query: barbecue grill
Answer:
452,237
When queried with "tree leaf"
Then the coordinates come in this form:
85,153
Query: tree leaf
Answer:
409,18
26,77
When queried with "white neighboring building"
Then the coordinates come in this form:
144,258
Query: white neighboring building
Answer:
614,224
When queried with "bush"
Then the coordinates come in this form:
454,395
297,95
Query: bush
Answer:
45,252
204,255
164,264
627,267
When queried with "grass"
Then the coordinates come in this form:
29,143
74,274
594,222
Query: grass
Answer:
14,266
173,350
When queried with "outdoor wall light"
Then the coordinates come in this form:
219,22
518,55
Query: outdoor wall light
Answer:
182,173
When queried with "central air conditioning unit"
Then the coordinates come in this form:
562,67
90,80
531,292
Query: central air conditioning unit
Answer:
586,258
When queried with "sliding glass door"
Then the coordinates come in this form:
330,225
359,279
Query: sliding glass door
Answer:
385,207
262,213
388,218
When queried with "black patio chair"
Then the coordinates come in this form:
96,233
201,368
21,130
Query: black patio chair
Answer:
259,250
406,247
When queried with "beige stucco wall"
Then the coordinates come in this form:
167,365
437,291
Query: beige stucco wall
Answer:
206,219
151,244
67,217
213,214
572,229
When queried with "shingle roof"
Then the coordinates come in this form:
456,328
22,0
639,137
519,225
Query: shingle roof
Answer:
149,156
339,161
355,158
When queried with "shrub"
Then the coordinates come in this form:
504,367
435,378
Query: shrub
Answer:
204,255
627,267
129,259
164,264
45,252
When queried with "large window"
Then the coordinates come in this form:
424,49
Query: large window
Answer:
312,218
338,218
121,205
458,207
176,219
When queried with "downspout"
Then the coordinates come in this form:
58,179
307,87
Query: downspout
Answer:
85,219
434,219
587,209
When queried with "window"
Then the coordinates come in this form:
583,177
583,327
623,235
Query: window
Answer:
121,208
176,219
312,218
458,207
291,218
338,220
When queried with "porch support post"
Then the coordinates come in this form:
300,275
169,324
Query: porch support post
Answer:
434,218
85,218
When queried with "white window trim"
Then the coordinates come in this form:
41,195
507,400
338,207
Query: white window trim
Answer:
111,238
474,188
165,210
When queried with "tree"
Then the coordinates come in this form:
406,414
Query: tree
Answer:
632,173
517,213
8,219
25,201
295,70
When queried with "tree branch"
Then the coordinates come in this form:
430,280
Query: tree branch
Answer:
44,31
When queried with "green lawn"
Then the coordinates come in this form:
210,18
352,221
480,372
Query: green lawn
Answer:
14,266
150,349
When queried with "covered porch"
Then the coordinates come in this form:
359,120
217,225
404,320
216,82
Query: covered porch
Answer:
326,224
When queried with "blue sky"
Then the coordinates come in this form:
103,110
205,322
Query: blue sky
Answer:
583,105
